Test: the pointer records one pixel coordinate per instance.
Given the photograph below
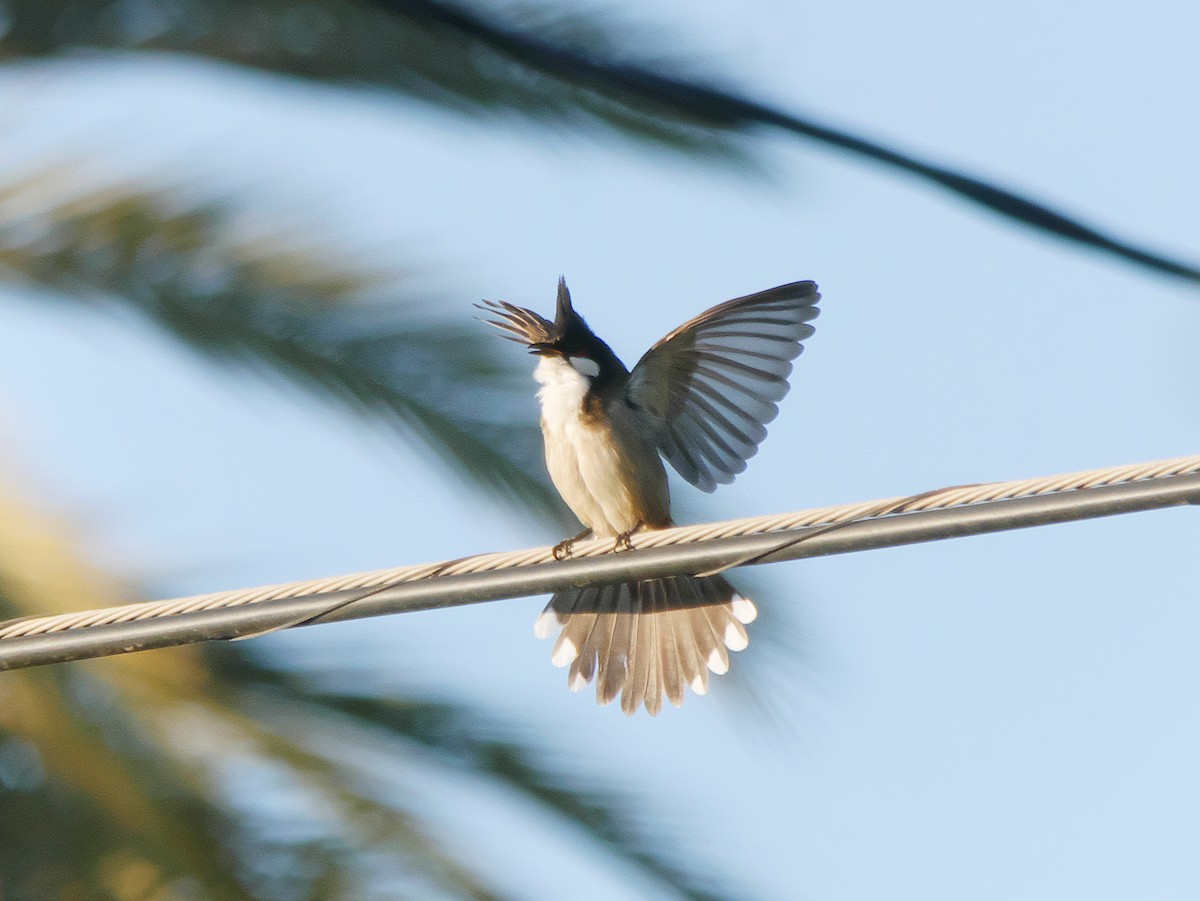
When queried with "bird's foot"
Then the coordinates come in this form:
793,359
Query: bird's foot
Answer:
562,550
623,542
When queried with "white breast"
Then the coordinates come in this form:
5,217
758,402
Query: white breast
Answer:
611,482
562,392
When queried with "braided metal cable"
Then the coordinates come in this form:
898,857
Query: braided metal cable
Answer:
826,518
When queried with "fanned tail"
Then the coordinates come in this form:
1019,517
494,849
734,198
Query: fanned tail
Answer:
646,639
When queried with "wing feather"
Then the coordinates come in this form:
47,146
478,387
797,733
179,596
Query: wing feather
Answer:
706,391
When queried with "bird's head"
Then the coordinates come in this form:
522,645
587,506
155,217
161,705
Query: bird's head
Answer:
567,338
570,338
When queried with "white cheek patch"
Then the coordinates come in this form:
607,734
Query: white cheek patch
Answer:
585,366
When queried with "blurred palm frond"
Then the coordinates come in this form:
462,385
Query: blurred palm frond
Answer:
421,50
472,743
356,335
217,775
533,62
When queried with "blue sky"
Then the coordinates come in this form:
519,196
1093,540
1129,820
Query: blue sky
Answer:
1010,715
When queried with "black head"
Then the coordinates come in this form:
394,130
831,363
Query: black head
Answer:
569,333
569,337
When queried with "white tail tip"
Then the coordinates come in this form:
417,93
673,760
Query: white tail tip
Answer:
564,651
546,624
743,609
717,663
735,637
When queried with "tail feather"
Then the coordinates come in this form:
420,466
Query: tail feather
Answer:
674,658
617,654
583,669
714,623
638,686
709,642
653,652
691,660
643,640
694,641
572,639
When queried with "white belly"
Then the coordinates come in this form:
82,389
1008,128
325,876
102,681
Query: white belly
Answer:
610,476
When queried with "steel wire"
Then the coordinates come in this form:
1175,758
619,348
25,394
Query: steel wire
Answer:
758,539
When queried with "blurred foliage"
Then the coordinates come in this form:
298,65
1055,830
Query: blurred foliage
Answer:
425,51
189,774
362,337
139,778
213,774
561,68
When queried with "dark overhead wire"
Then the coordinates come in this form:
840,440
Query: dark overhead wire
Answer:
715,107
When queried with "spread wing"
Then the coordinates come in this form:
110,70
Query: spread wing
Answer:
706,391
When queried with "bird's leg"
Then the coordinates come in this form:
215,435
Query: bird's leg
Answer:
623,542
562,550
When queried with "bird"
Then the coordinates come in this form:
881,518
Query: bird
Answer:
700,398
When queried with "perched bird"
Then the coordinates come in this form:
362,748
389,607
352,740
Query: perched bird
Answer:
701,398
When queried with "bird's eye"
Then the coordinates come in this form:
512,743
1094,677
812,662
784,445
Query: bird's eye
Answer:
585,366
